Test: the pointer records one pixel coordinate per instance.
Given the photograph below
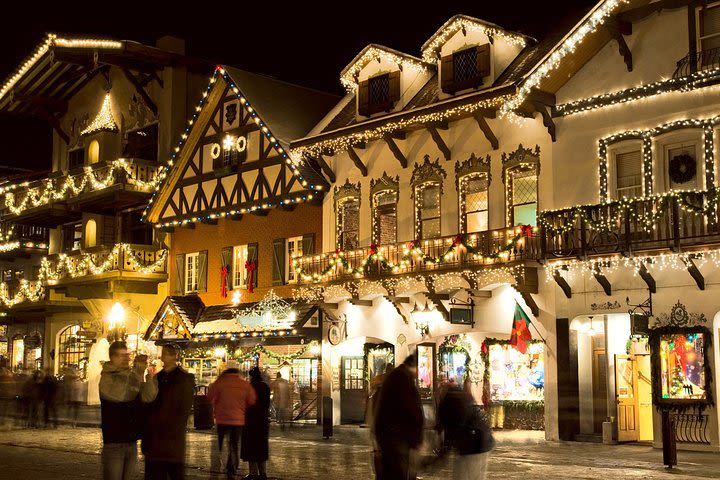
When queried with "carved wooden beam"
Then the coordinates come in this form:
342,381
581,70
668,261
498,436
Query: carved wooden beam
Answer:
547,118
325,167
361,303
617,30
530,301
356,160
395,151
141,91
695,273
562,283
54,123
439,141
487,131
604,282
648,278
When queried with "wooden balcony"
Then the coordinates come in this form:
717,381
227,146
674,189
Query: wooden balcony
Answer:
676,222
444,254
22,241
103,188
130,268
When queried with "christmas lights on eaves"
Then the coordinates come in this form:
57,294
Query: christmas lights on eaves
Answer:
103,121
290,160
349,75
50,40
467,24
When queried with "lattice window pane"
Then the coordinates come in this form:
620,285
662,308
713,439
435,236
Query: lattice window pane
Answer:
386,217
476,221
430,228
465,65
350,225
379,89
430,199
524,187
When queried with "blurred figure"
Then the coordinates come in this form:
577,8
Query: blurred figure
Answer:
399,421
231,396
74,397
281,400
466,430
255,449
31,395
48,389
122,390
372,408
164,443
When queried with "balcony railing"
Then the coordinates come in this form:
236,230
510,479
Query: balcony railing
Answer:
456,252
697,62
143,259
671,221
140,174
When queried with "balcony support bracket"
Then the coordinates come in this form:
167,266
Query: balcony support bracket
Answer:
439,141
396,304
356,160
396,151
604,282
648,278
530,301
326,168
487,131
562,283
617,31
695,273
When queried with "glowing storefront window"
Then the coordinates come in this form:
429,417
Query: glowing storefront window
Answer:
515,375
426,373
682,366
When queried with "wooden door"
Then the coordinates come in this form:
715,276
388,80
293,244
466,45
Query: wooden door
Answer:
599,384
353,391
628,417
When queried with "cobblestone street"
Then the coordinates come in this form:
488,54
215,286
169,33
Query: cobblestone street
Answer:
301,454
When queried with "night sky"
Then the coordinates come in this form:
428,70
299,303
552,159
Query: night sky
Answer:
303,42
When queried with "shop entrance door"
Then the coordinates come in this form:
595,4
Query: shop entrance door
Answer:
353,391
626,387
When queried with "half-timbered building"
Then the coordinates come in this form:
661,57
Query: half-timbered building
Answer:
237,210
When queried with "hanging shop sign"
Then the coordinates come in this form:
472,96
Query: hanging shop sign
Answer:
461,316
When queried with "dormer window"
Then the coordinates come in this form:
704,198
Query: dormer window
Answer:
465,68
378,93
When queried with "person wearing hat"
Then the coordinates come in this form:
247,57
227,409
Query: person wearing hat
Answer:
254,448
399,421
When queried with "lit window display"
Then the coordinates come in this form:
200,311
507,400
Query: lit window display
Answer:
454,366
515,375
426,372
682,366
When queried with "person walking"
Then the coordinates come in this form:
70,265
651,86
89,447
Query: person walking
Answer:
74,396
49,388
467,431
281,400
371,413
31,399
399,421
231,396
122,390
255,449
163,442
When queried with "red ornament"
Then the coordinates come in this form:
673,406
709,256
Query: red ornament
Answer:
373,249
526,230
250,268
484,347
223,281
458,240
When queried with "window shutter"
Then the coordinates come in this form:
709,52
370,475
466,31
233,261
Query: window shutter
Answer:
68,232
226,260
179,274
483,60
394,86
278,270
363,94
202,271
308,244
252,254
108,231
447,74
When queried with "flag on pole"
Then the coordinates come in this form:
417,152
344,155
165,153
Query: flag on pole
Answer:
520,334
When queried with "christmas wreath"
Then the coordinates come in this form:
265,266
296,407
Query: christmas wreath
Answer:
682,168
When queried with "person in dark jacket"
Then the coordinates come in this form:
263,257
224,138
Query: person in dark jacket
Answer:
255,448
399,421
49,388
164,440
122,390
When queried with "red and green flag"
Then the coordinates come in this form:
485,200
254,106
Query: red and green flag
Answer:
520,334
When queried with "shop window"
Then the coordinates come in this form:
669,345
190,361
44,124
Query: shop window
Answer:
293,248
3,346
73,351
628,174
349,224
142,143
93,152
17,361
515,375
304,374
454,366
523,196
426,370
385,217
474,203
682,366
709,32
90,233
428,210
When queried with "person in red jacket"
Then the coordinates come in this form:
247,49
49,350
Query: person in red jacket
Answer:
231,396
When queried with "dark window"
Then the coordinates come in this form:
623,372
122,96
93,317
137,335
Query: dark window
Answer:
464,69
349,223
378,93
134,231
76,158
142,143
379,89
465,65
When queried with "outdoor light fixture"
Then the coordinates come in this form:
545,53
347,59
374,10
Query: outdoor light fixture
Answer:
116,318
591,331
236,298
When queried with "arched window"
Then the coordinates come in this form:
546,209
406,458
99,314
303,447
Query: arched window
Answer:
384,198
347,216
93,152
73,350
472,182
520,174
90,233
427,180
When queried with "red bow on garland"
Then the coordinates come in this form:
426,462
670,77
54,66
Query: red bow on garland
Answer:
223,281
526,230
250,268
373,249
458,240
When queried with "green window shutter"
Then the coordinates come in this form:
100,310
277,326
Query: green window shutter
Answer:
202,264
226,260
278,267
253,255
308,244
179,274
